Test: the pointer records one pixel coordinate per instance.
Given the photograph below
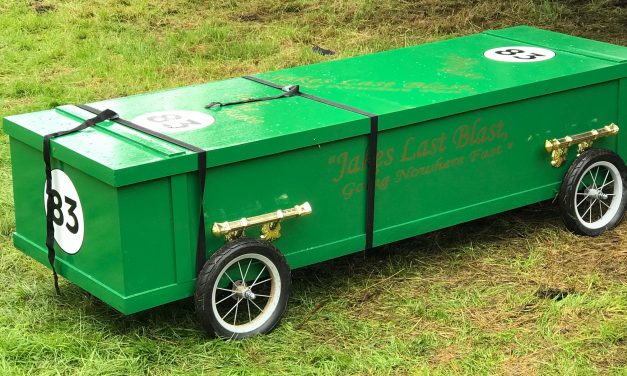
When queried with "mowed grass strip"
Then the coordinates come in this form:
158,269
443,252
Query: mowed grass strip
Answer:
508,294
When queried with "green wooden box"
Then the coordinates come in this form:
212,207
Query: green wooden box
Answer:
462,126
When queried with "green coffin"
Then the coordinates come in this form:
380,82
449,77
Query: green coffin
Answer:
462,125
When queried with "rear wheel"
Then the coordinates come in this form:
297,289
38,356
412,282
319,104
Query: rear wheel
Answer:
593,194
243,289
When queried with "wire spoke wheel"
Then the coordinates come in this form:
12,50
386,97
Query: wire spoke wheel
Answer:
598,195
249,298
242,290
593,193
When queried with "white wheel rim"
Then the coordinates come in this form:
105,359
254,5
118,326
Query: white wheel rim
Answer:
598,195
230,304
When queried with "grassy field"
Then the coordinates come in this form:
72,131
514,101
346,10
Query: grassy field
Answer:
509,294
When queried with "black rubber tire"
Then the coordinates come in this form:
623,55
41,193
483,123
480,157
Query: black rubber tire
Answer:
213,269
569,188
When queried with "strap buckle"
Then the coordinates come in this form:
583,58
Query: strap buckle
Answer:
291,90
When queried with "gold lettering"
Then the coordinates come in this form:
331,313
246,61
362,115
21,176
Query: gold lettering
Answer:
405,157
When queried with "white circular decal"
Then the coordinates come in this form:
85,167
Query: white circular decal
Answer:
67,213
519,54
174,121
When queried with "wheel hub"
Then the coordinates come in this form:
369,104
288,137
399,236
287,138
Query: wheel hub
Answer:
597,194
242,291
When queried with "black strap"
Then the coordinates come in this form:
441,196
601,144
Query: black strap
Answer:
289,91
202,174
102,116
147,131
201,248
372,152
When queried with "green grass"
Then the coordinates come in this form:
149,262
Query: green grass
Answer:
474,299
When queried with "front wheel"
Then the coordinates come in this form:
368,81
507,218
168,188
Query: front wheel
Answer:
242,290
593,194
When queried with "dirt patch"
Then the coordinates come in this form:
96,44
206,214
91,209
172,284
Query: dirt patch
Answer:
250,17
40,7
553,293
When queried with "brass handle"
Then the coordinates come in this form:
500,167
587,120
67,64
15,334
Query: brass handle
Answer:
269,221
558,147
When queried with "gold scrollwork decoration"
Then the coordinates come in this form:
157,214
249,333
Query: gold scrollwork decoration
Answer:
271,231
